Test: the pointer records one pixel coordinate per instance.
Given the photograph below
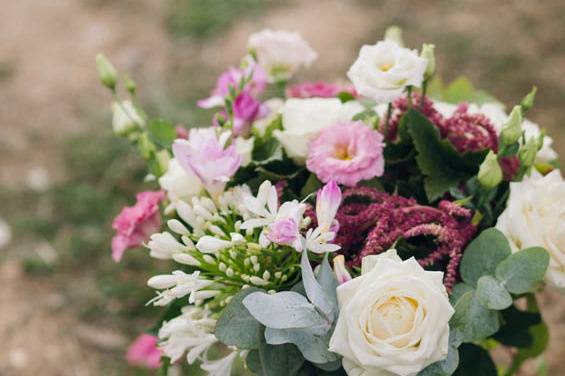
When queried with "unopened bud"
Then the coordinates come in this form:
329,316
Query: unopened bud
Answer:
490,173
529,151
106,72
394,34
512,130
428,54
528,101
341,273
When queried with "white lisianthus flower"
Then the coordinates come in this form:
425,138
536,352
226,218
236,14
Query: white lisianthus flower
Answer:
534,216
244,147
281,53
546,154
179,183
126,117
382,71
394,318
304,119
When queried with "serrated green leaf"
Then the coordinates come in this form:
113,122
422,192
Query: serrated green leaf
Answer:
483,254
523,271
491,294
236,326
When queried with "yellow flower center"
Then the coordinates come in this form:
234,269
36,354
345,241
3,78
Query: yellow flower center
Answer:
385,67
342,152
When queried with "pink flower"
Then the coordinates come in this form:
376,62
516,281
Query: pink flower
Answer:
319,89
232,78
181,132
144,352
327,202
204,154
347,153
245,110
285,232
341,273
136,223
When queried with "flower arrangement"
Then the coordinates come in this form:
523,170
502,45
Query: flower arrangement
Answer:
395,226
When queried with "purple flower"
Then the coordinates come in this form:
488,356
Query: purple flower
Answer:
320,89
136,223
245,110
205,155
232,78
346,153
285,232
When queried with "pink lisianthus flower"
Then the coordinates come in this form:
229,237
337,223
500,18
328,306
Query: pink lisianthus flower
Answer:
232,78
285,232
205,155
136,223
347,153
144,352
246,109
320,89
181,132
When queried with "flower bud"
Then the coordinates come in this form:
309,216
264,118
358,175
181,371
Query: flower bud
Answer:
490,173
529,151
126,118
394,34
106,72
428,54
341,273
513,128
528,101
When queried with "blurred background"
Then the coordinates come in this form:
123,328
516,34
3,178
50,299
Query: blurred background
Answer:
65,307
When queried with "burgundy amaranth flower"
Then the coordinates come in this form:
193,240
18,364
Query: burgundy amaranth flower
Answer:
399,108
469,132
372,221
510,166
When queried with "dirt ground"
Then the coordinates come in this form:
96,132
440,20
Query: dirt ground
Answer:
49,91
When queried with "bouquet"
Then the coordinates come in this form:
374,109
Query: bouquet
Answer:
391,226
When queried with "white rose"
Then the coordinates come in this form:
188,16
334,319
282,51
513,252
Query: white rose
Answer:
535,216
244,147
382,71
394,318
126,117
281,53
179,183
303,119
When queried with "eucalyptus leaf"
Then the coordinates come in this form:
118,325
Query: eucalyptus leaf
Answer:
236,326
471,321
475,361
524,271
279,360
483,254
321,298
458,291
312,342
491,294
283,310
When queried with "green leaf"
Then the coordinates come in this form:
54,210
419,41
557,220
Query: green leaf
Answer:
523,271
472,321
462,90
279,360
458,291
438,160
236,326
475,361
491,294
266,152
515,328
345,96
444,367
311,341
311,185
162,132
483,254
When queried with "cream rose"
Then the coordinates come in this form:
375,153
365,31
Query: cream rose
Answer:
394,318
303,119
382,71
534,216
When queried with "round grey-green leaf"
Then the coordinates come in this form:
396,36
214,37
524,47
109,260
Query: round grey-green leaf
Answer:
524,271
491,294
483,254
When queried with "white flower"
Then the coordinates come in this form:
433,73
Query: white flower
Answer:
191,333
220,367
126,117
211,244
546,154
244,147
535,216
164,246
281,53
304,119
318,241
382,71
394,318
177,285
179,183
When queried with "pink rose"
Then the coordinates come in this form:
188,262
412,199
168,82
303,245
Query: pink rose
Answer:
320,89
346,153
136,223
144,352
